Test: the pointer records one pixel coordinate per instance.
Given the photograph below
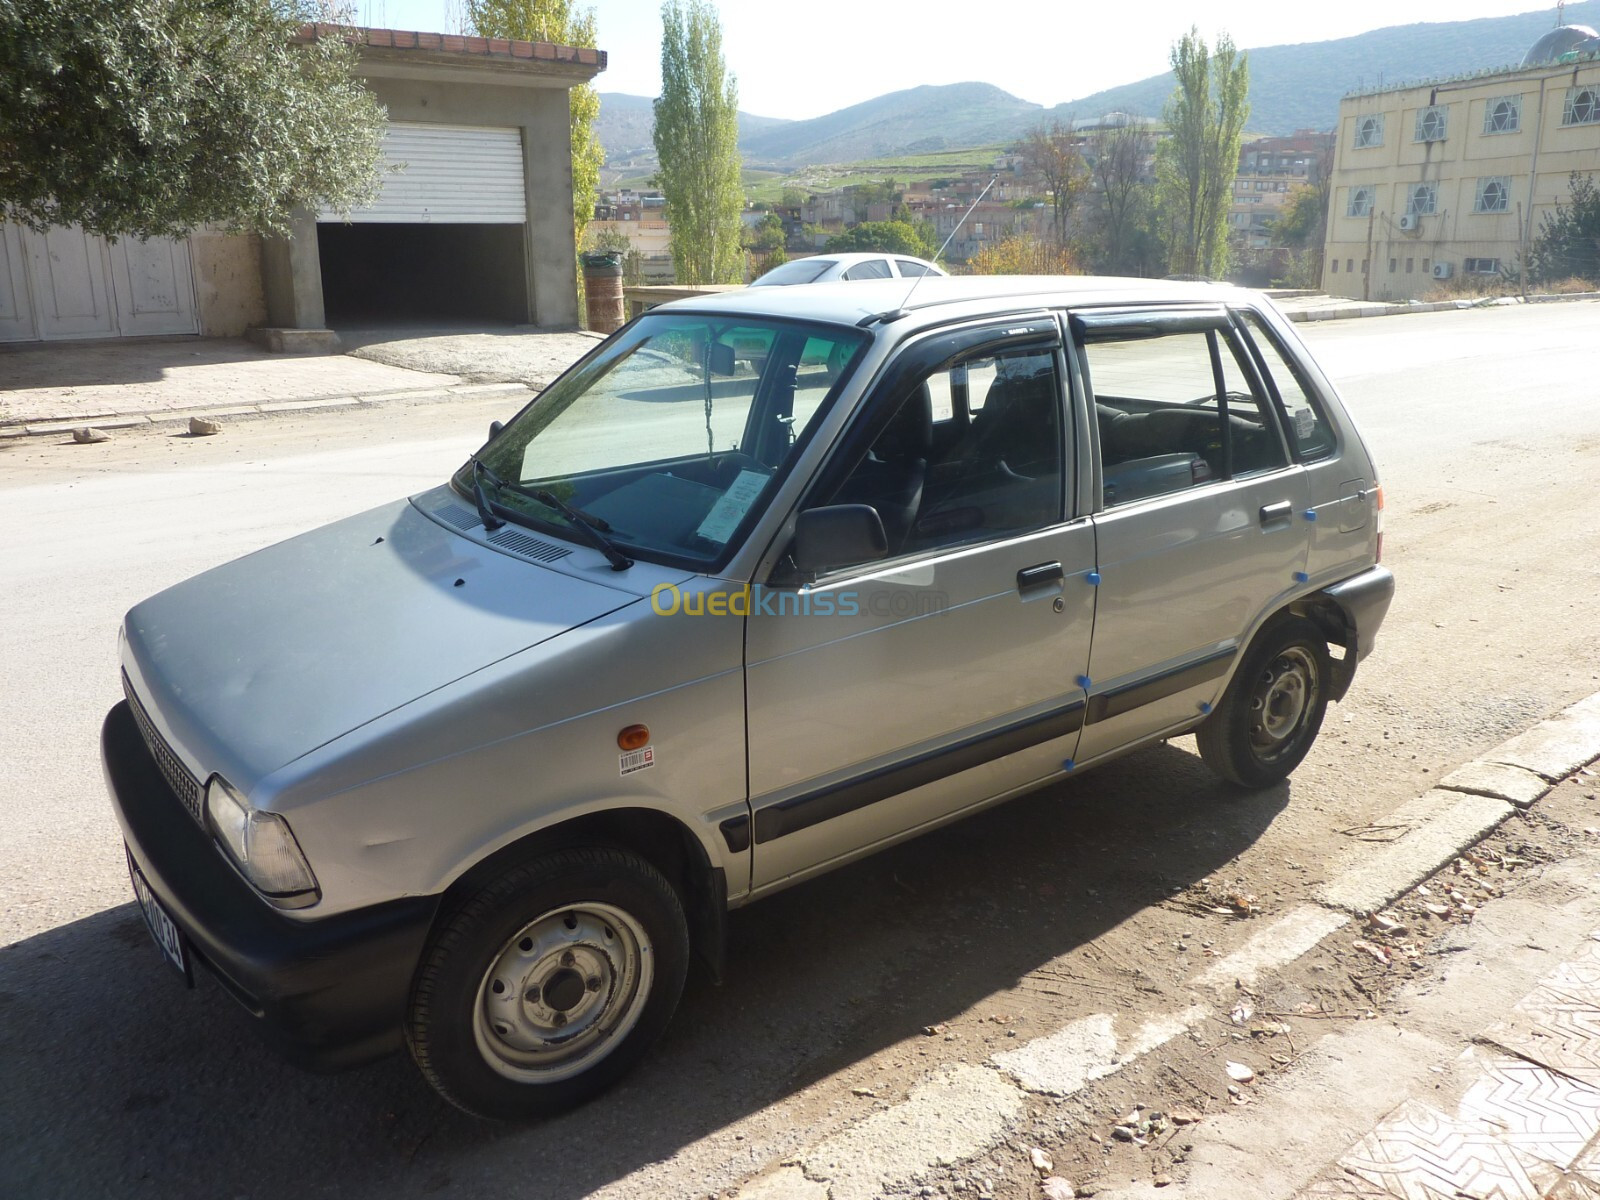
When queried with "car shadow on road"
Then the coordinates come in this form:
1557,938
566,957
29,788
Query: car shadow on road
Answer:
120,1082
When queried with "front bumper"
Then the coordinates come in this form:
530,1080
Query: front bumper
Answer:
330,992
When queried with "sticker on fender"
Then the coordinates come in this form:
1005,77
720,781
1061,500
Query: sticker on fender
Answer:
637,760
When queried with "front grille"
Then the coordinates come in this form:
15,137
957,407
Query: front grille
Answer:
185,785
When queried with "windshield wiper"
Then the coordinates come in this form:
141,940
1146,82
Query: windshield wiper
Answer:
481,498
589,526
618,560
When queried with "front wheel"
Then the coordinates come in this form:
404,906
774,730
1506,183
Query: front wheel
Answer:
549,983
1273,708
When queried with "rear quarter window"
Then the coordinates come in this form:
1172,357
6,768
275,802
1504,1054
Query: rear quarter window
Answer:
1309,429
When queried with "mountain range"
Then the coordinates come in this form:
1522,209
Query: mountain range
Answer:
1291,87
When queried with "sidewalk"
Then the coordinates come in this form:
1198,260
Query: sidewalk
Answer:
136,383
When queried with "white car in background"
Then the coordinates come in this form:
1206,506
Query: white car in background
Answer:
824,268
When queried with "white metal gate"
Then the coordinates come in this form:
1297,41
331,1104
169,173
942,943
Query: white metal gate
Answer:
65,283
448,175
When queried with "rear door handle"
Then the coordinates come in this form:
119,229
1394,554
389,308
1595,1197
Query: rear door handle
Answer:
1281,511
1039,576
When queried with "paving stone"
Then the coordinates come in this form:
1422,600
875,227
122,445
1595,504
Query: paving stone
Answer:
1557,1026
1338,1184
1534,1109
1418,1153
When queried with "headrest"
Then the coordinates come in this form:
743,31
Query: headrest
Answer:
909,433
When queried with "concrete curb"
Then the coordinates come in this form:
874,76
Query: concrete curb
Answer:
170,416
1434,828
1364,308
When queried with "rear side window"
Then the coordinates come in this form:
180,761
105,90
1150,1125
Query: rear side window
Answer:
873,268
1177,411
1308,425
909,269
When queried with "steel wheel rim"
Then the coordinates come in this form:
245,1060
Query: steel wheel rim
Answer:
1282,702
562,992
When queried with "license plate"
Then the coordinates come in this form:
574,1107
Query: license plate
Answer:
168,938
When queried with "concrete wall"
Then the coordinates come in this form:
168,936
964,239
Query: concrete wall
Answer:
1371,257
227,282
542,113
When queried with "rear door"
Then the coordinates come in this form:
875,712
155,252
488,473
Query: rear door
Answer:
1339,478
1202,527
889,696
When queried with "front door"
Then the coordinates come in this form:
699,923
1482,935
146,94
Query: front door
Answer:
1201,532
888,696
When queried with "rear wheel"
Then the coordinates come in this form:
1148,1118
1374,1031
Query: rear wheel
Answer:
1273,708
549,983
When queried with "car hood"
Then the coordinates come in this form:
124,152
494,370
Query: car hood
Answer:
249,666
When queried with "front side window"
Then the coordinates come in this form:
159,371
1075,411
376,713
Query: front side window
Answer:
1582,107
1494,195
1369,132
1421,198
1177,412
1433,123
1503,115
670,441
1360,202
969,452
800,270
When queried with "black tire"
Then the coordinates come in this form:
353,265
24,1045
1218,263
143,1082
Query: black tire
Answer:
597,933
1273,708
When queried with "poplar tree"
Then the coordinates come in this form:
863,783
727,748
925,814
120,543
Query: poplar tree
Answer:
696,137
1198,160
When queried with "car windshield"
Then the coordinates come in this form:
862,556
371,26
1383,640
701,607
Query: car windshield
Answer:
801,270
670,439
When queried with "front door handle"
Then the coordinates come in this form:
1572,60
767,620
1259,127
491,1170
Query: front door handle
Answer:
1039,576
1281,511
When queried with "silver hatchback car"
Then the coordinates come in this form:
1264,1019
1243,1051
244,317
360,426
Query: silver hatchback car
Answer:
767,582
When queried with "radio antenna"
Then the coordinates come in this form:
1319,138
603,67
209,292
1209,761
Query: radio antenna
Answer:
993,179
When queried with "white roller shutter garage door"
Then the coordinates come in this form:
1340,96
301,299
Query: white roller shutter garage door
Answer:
448,175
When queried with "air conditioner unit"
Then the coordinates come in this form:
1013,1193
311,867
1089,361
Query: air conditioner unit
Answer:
1409,221
1443,270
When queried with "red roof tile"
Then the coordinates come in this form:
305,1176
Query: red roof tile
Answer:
476,47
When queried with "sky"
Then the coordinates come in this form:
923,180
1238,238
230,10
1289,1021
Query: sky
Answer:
805,58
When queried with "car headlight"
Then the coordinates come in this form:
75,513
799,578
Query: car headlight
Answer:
259,843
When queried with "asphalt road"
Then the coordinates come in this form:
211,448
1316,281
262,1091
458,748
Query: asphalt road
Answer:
117,1082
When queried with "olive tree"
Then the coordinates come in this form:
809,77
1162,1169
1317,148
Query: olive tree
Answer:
147,118
696,137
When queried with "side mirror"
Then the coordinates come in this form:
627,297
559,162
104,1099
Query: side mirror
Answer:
494,429
840,535
722,360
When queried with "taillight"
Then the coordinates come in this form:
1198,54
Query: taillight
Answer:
1380,522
